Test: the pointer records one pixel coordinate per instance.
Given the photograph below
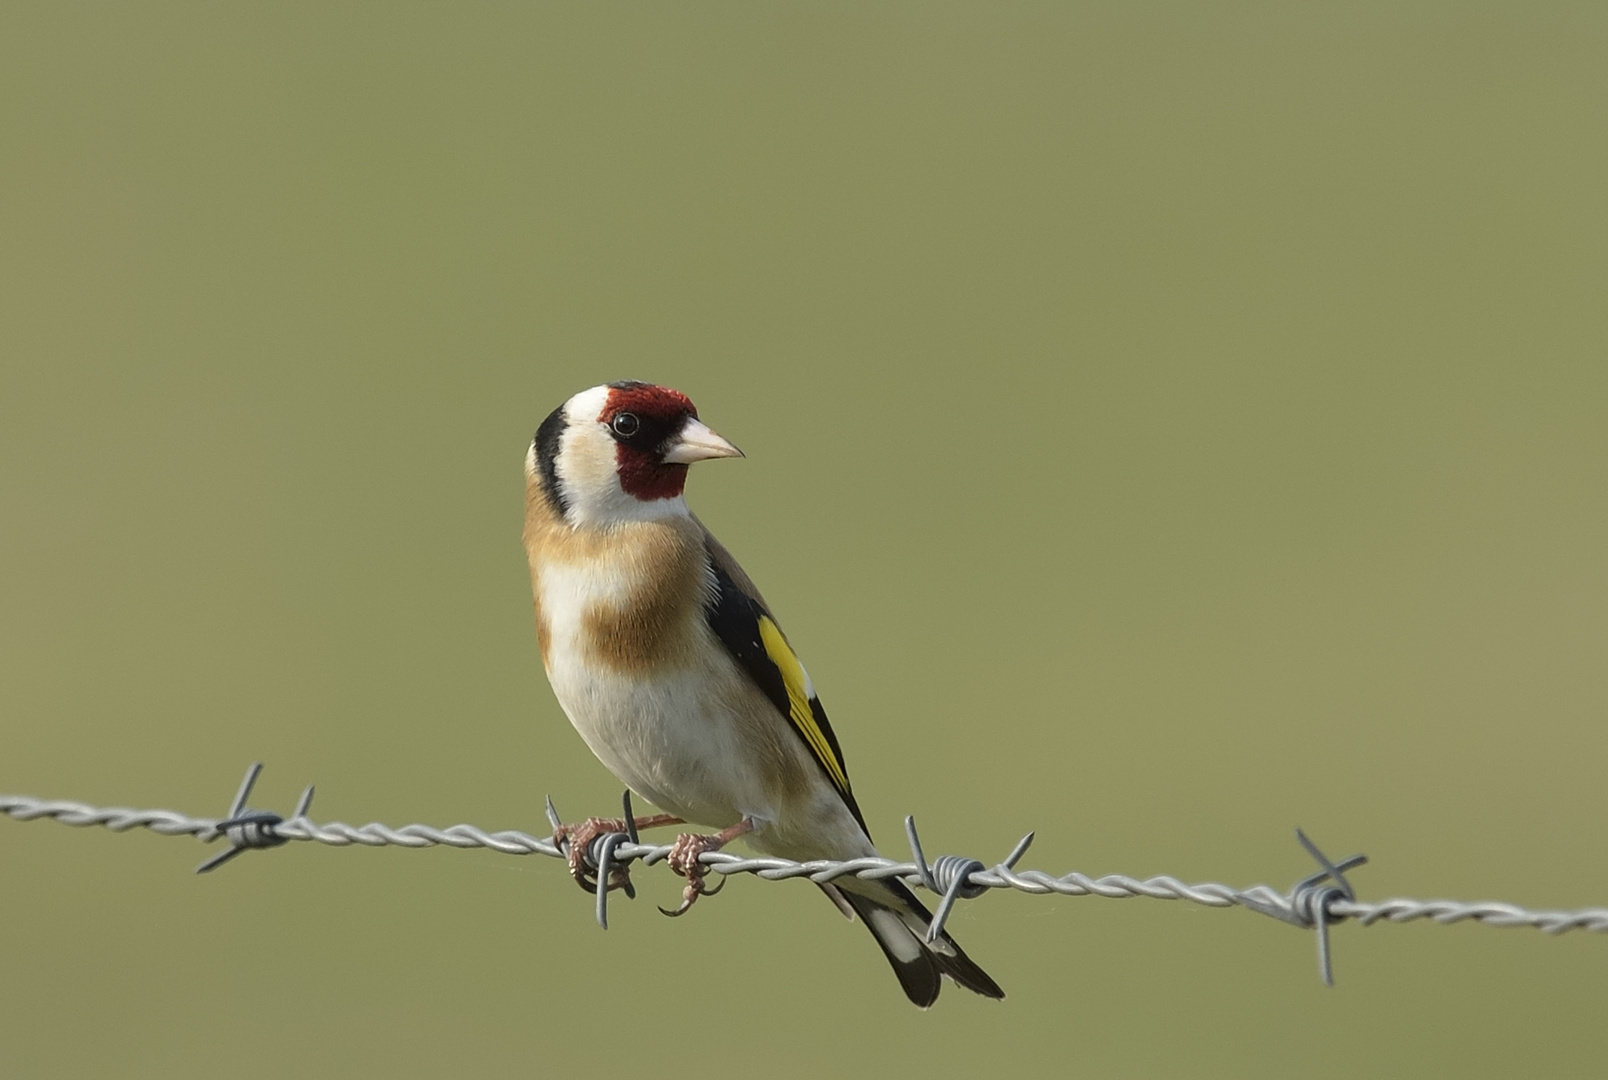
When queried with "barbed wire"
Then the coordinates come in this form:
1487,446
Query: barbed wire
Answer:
1315,902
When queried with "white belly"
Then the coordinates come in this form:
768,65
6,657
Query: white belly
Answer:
663,738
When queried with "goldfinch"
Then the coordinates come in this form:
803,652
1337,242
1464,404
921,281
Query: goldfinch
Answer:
671,666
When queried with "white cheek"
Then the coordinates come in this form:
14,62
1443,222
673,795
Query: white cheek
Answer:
586,465
588,470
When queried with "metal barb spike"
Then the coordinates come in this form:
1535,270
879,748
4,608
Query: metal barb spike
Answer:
218,860
1311,900
246,828
1019,850
1330,870
604,846
630,817
253,771
597,860
950,876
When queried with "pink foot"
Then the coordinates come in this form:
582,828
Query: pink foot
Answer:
577,841
683,859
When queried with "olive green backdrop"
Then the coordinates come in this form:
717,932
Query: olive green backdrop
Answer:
1163,429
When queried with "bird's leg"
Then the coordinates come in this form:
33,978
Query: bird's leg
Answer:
683,859
576,840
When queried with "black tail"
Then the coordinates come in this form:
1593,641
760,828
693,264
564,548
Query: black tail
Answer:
900,928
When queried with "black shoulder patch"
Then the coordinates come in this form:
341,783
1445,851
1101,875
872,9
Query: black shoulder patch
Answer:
735,616
547,437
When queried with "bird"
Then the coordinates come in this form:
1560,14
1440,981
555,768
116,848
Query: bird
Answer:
674,671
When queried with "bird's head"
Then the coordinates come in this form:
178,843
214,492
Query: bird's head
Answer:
620,453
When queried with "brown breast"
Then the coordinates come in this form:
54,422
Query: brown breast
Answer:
655,569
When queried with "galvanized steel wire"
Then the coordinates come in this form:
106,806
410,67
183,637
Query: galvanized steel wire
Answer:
1315,902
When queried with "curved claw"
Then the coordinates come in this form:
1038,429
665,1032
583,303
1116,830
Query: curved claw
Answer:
683,860
689,896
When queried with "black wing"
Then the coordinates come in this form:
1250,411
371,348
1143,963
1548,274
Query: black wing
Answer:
744,625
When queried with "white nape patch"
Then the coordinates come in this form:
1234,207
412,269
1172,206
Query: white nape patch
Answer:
530,460
892,932
585,407
588,472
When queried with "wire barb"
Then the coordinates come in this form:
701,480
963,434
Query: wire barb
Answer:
603,867
601,855
1310,904
246,828
950,877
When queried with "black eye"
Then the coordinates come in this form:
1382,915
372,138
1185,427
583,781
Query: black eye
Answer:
625,424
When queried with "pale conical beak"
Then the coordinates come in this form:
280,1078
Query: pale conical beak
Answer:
697,443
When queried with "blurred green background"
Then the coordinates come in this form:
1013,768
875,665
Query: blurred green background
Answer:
1163,429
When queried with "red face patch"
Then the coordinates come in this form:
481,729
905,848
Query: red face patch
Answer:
646,477
646,400
643,419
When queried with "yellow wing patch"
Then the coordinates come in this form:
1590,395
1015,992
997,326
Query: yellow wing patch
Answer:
798,699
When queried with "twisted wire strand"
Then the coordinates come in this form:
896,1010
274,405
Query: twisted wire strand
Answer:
1034,882
115,818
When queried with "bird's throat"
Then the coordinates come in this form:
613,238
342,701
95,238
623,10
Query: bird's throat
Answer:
647,478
